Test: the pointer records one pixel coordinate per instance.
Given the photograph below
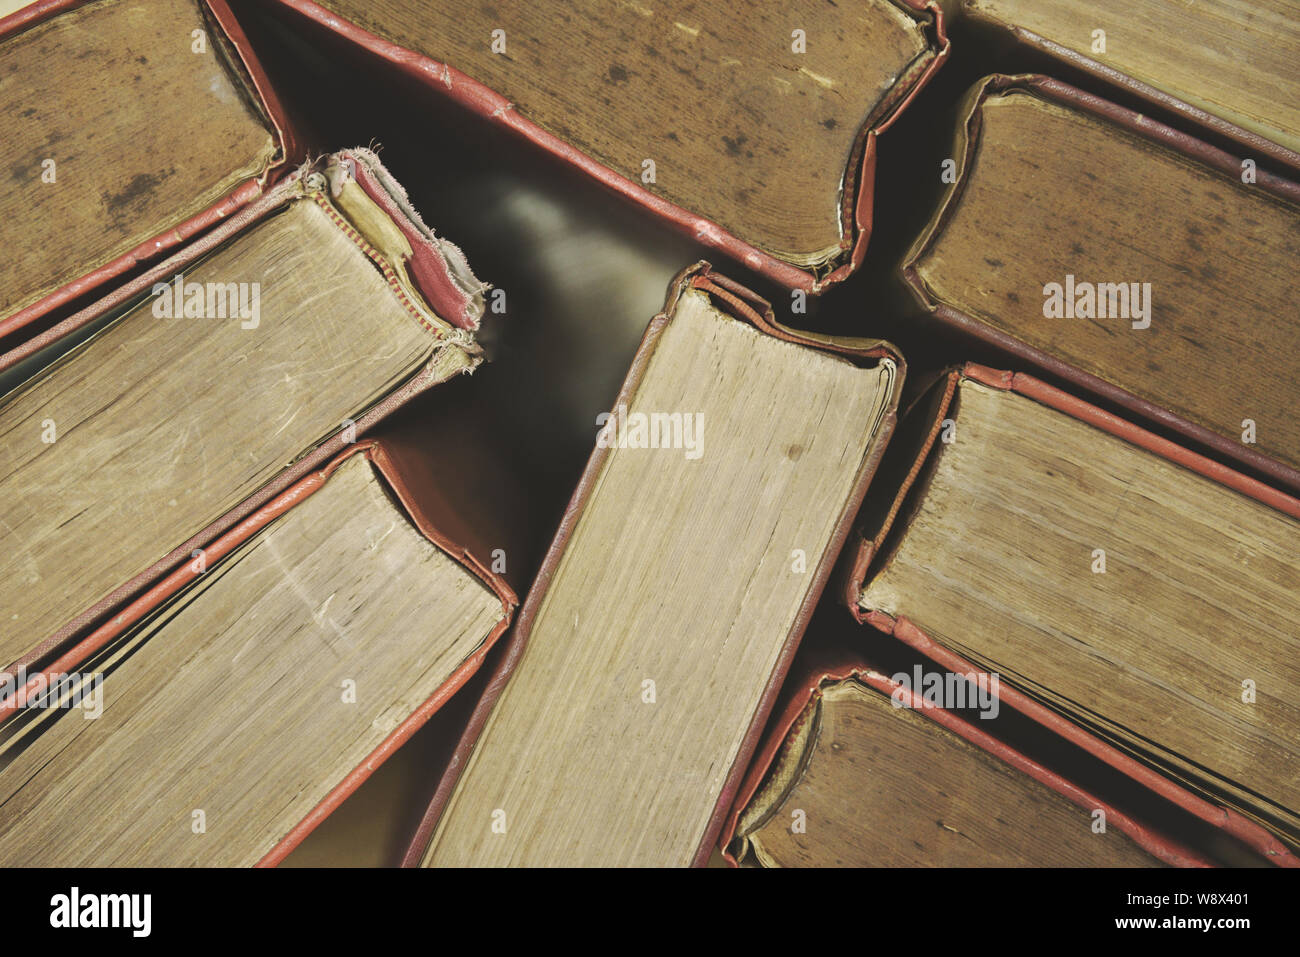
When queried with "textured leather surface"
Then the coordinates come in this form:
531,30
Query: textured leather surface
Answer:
1157,133
856,200
291,153
805,686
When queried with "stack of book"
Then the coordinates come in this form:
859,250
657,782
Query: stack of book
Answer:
949,521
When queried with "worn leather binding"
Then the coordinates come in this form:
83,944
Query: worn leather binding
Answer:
1148,129
402,469
1254,143
825,667
428,269
259,88
856,191
743,304
859,556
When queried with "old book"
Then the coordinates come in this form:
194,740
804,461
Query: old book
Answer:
862,769
212,383
262,688
125,128
653,642
751,128
1133,595
1229,65
1166,284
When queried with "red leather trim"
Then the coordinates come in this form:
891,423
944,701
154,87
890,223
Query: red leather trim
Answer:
1077,408
290,152
1232,822
809,686
480,99
748,306
381,454
427,266
1154,132
419,382
151,249
34,13
756,310
863,208
176,581
1252,141
935,9
866,549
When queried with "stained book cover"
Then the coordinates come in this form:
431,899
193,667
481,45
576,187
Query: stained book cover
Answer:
1136,262
751,130
865,766
126,128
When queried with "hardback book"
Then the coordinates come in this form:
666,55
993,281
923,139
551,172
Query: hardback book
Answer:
1133,596
862,768
751,128
262,686
193,395
1228,65
1129,259
126,127
655,638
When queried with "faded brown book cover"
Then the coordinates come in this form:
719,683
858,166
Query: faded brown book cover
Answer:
1228,65
750,127
864,768
1132,260
126,127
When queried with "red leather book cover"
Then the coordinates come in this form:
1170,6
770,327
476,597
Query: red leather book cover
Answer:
859,555
249,74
